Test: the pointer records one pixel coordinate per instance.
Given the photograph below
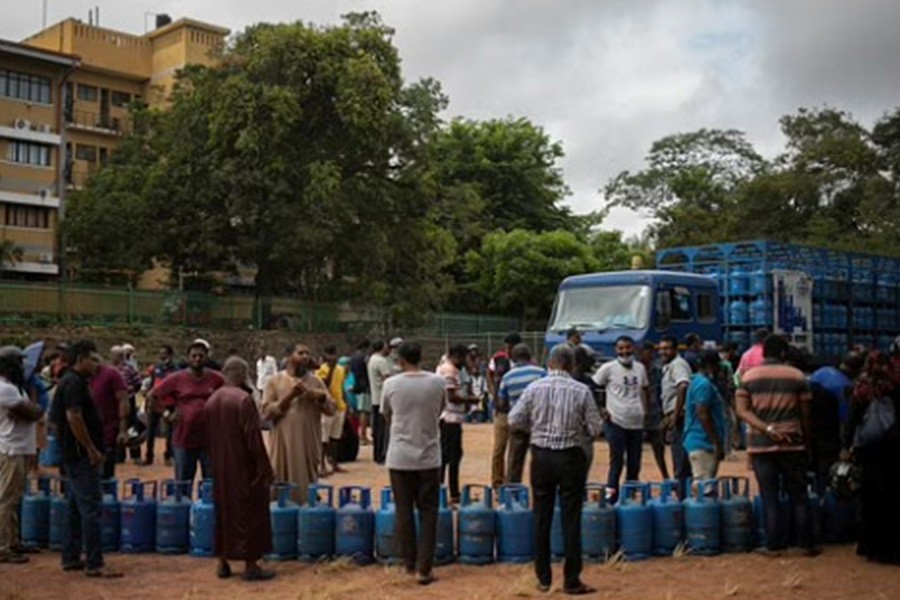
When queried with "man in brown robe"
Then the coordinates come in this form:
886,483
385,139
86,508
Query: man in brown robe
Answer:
243,474
294,401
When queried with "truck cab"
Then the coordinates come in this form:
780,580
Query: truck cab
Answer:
644,305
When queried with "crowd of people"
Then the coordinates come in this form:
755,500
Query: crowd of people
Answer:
793,418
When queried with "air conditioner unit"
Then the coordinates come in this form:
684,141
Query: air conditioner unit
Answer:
45,192
22,124
46,128
46,258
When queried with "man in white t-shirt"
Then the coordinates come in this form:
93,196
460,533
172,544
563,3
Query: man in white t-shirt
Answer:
627,407
676,377
412,403
379,368
18,416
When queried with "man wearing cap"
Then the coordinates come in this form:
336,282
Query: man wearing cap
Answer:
379,368
498,366
18,416
210,362
704,418
130,358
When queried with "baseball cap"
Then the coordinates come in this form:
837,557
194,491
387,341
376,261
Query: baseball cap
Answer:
127,348
395,342
11,352
201,342
472,347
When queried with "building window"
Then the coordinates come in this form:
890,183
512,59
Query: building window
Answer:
87,92
84,152
30,88
28,153
120,99
27,216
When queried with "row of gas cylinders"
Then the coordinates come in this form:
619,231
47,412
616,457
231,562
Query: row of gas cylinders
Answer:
718,516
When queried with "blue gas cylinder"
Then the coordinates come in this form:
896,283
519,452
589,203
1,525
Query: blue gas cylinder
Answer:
173,517
838,518
702,518
668,517
814,511
203,520
35,523
557,543
138,533
634,520
59,513
738,283
315,524
355,524
758,283
444,552
759,520
476,525
110,516
515,525
738,312
736,515
760,312
283,514
387,547
50,456
598,524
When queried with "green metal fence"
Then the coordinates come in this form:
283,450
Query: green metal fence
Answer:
36,303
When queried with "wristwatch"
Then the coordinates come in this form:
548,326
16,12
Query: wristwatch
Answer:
770,429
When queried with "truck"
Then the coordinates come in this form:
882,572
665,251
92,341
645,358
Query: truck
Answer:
824,300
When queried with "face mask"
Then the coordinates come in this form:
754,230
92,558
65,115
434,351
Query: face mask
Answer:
625,361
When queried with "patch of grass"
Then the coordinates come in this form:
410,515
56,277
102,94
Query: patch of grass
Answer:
681,550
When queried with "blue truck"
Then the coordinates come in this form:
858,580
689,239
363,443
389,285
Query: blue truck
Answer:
825,300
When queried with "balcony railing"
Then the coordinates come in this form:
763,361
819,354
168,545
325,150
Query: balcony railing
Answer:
104,123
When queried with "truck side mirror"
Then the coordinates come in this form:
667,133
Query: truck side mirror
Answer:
663,310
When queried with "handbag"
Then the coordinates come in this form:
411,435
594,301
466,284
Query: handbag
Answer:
877,420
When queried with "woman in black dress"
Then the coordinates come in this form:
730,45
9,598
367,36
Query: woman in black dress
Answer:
879,526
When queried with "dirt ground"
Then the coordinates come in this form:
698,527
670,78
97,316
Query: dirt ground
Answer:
837,574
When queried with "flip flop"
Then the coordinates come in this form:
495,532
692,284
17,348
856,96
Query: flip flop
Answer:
102,573
426,579
258,575
543,587
223,572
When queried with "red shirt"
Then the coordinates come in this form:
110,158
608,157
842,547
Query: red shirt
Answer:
105,384
191,394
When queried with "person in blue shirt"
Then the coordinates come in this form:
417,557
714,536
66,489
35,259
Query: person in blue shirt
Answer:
523,372
705,424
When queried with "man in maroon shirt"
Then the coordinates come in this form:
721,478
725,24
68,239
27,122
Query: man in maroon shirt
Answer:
110,394
191,388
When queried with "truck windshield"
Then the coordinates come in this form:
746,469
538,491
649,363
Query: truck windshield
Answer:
601,308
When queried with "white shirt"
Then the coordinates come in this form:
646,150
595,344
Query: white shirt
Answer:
17,436
380,367
265,368
623,392
674,373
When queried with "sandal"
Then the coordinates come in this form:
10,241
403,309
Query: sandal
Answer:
258,575
223,571
74,566
14,559
580,590
102,573
426,579
543,587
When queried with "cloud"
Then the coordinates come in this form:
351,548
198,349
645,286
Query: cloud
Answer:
605,78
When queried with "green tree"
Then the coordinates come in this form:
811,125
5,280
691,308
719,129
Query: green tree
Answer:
518,271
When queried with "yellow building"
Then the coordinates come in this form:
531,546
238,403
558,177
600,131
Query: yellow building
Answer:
32,85
94,74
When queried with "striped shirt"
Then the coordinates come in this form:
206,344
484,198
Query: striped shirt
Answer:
775,393
559,412
516,380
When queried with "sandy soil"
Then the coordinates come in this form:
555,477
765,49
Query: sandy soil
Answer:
836,574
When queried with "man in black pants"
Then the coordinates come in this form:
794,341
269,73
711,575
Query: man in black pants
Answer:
412,402
454,415
562,417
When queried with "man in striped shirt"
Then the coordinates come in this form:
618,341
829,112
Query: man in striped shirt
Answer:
562,416
774,400
509,391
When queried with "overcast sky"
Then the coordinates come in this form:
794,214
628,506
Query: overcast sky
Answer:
604,77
